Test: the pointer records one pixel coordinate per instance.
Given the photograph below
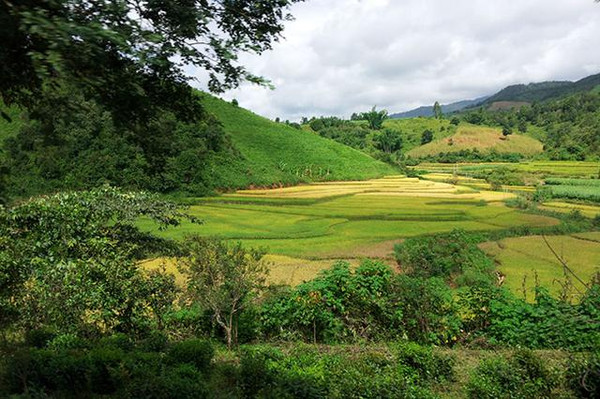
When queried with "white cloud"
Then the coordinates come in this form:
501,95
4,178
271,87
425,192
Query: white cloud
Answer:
343,56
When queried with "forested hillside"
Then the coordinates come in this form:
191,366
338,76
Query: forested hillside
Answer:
569,128
71,143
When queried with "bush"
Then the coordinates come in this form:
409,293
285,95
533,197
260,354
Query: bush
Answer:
443,255
39,338
429,366
179,381
522,376
255,371
196,352
583,375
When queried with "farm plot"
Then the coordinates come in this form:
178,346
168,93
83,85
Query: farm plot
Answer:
311,226
576,169
524,259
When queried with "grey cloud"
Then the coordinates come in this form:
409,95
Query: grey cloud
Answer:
343,56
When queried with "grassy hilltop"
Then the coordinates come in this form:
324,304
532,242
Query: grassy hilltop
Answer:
274,153
482,138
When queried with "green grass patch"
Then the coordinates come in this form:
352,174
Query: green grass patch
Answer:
527,257
274,153
484,139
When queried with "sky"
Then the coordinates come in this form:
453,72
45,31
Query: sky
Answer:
343,56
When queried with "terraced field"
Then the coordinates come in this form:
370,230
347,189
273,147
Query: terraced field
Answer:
579,169
528,257
307,227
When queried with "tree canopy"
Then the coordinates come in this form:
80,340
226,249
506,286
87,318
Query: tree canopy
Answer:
131,54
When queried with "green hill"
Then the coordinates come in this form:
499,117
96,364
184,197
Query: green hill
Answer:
274,153
484,139
543,91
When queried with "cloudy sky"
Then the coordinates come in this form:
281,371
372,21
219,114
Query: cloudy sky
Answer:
344,56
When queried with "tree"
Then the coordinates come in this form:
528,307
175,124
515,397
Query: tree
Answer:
388,141
130,54
426,136
437,110
375,118
506,131
68,261
223,279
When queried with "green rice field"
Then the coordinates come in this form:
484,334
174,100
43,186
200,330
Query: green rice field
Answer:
576,169
530,258
315,224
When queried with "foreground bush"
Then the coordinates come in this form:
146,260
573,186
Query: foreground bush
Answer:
522,376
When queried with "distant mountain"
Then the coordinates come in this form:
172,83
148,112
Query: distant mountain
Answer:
543,91
510,96
446,109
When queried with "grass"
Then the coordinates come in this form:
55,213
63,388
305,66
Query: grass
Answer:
413,128
346,220
481,138
587,210
527,257
274,153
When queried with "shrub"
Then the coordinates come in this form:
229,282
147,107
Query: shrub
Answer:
522,376
429,366
39,338
196,352
256,373
583,375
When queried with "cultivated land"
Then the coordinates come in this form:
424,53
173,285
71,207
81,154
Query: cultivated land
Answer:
305,228
484,139
579,169
530,258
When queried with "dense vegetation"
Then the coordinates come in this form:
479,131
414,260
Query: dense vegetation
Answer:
568,127
67,143
122,334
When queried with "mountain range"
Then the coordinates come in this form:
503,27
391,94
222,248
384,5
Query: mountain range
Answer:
519,93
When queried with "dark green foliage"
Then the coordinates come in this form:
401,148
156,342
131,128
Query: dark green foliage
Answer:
548,323
388,141
568,127
307,373
426,137
472,155
370,303
523,376
75,144
351,135
443,255
197,353
130,55
338,305
429,365
583,374
68,261
429,313
374,118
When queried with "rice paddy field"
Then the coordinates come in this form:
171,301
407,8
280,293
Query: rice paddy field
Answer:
575,169
530,258
306,228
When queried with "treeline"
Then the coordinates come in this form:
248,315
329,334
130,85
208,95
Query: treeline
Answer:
369,136
570,126
68,142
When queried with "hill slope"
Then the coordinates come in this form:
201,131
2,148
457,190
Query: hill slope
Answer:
484,139
543,91
273,153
